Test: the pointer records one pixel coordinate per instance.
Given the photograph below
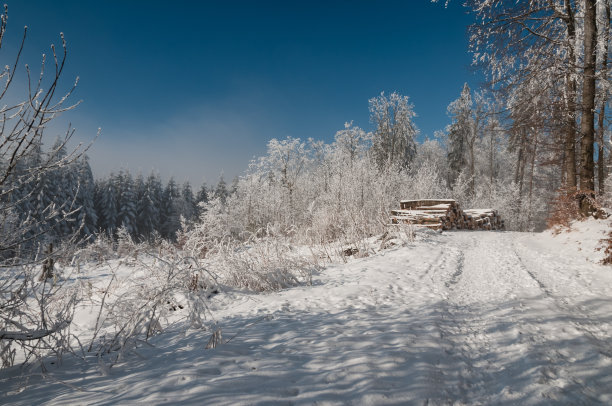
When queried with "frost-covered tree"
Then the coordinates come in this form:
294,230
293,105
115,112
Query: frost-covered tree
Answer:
431,152
185,204
170,214
202,195
126,203
528,46
352,141
109,198
149,209
30,308
221,191
603,89
393,141
140,190
286,159
461,135
141,207
202,198
86,215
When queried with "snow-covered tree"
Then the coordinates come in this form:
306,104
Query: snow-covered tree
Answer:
221,191
108,204
461,135
550,50
126,203
149,209
30,308
352,141
170,215
202,199
393,141
431,152
86,215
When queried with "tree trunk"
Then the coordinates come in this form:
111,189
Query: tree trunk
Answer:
601,173
570,104
531,173
472,170
491,160
605,29
587,125
48,264
521,158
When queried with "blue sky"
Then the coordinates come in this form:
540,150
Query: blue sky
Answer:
193,89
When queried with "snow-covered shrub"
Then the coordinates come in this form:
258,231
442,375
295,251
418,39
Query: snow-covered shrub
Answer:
134,305
41,202
218,223
34,314
263,265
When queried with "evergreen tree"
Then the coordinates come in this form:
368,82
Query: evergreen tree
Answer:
85,199
142,202
25,186
154,197
221,190
459,134
109,207
127,203
170,213
188,209
98,202
201,198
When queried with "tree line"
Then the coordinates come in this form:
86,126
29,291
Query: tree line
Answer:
349,184
548,63
145,207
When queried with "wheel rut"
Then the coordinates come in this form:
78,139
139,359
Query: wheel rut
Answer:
580,320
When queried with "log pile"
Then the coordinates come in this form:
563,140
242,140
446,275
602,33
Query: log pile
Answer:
485,219
445,214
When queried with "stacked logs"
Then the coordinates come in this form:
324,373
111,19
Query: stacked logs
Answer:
445,214
485,219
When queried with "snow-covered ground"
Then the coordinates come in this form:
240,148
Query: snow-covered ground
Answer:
454,318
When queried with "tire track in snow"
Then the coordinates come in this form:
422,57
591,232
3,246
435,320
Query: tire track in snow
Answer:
465,326
582,321
555,364
454,279
440,379
480,281
459,357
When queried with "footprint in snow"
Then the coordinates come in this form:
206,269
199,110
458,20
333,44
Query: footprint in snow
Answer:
208,371
289,392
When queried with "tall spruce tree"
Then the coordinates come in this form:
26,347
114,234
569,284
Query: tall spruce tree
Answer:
170,210
126,203
85,199
459,133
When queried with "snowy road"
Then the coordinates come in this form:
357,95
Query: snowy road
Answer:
459,318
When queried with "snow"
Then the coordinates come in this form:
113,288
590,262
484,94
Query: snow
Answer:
479,212
430,213
437,200
453,318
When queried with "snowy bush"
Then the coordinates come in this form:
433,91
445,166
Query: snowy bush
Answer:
42,211
263,265
34,315
144,296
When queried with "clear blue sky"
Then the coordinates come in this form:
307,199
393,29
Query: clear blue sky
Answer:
195,88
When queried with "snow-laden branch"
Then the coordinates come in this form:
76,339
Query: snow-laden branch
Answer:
33,334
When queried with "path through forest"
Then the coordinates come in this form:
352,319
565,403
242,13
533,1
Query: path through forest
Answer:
455,318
